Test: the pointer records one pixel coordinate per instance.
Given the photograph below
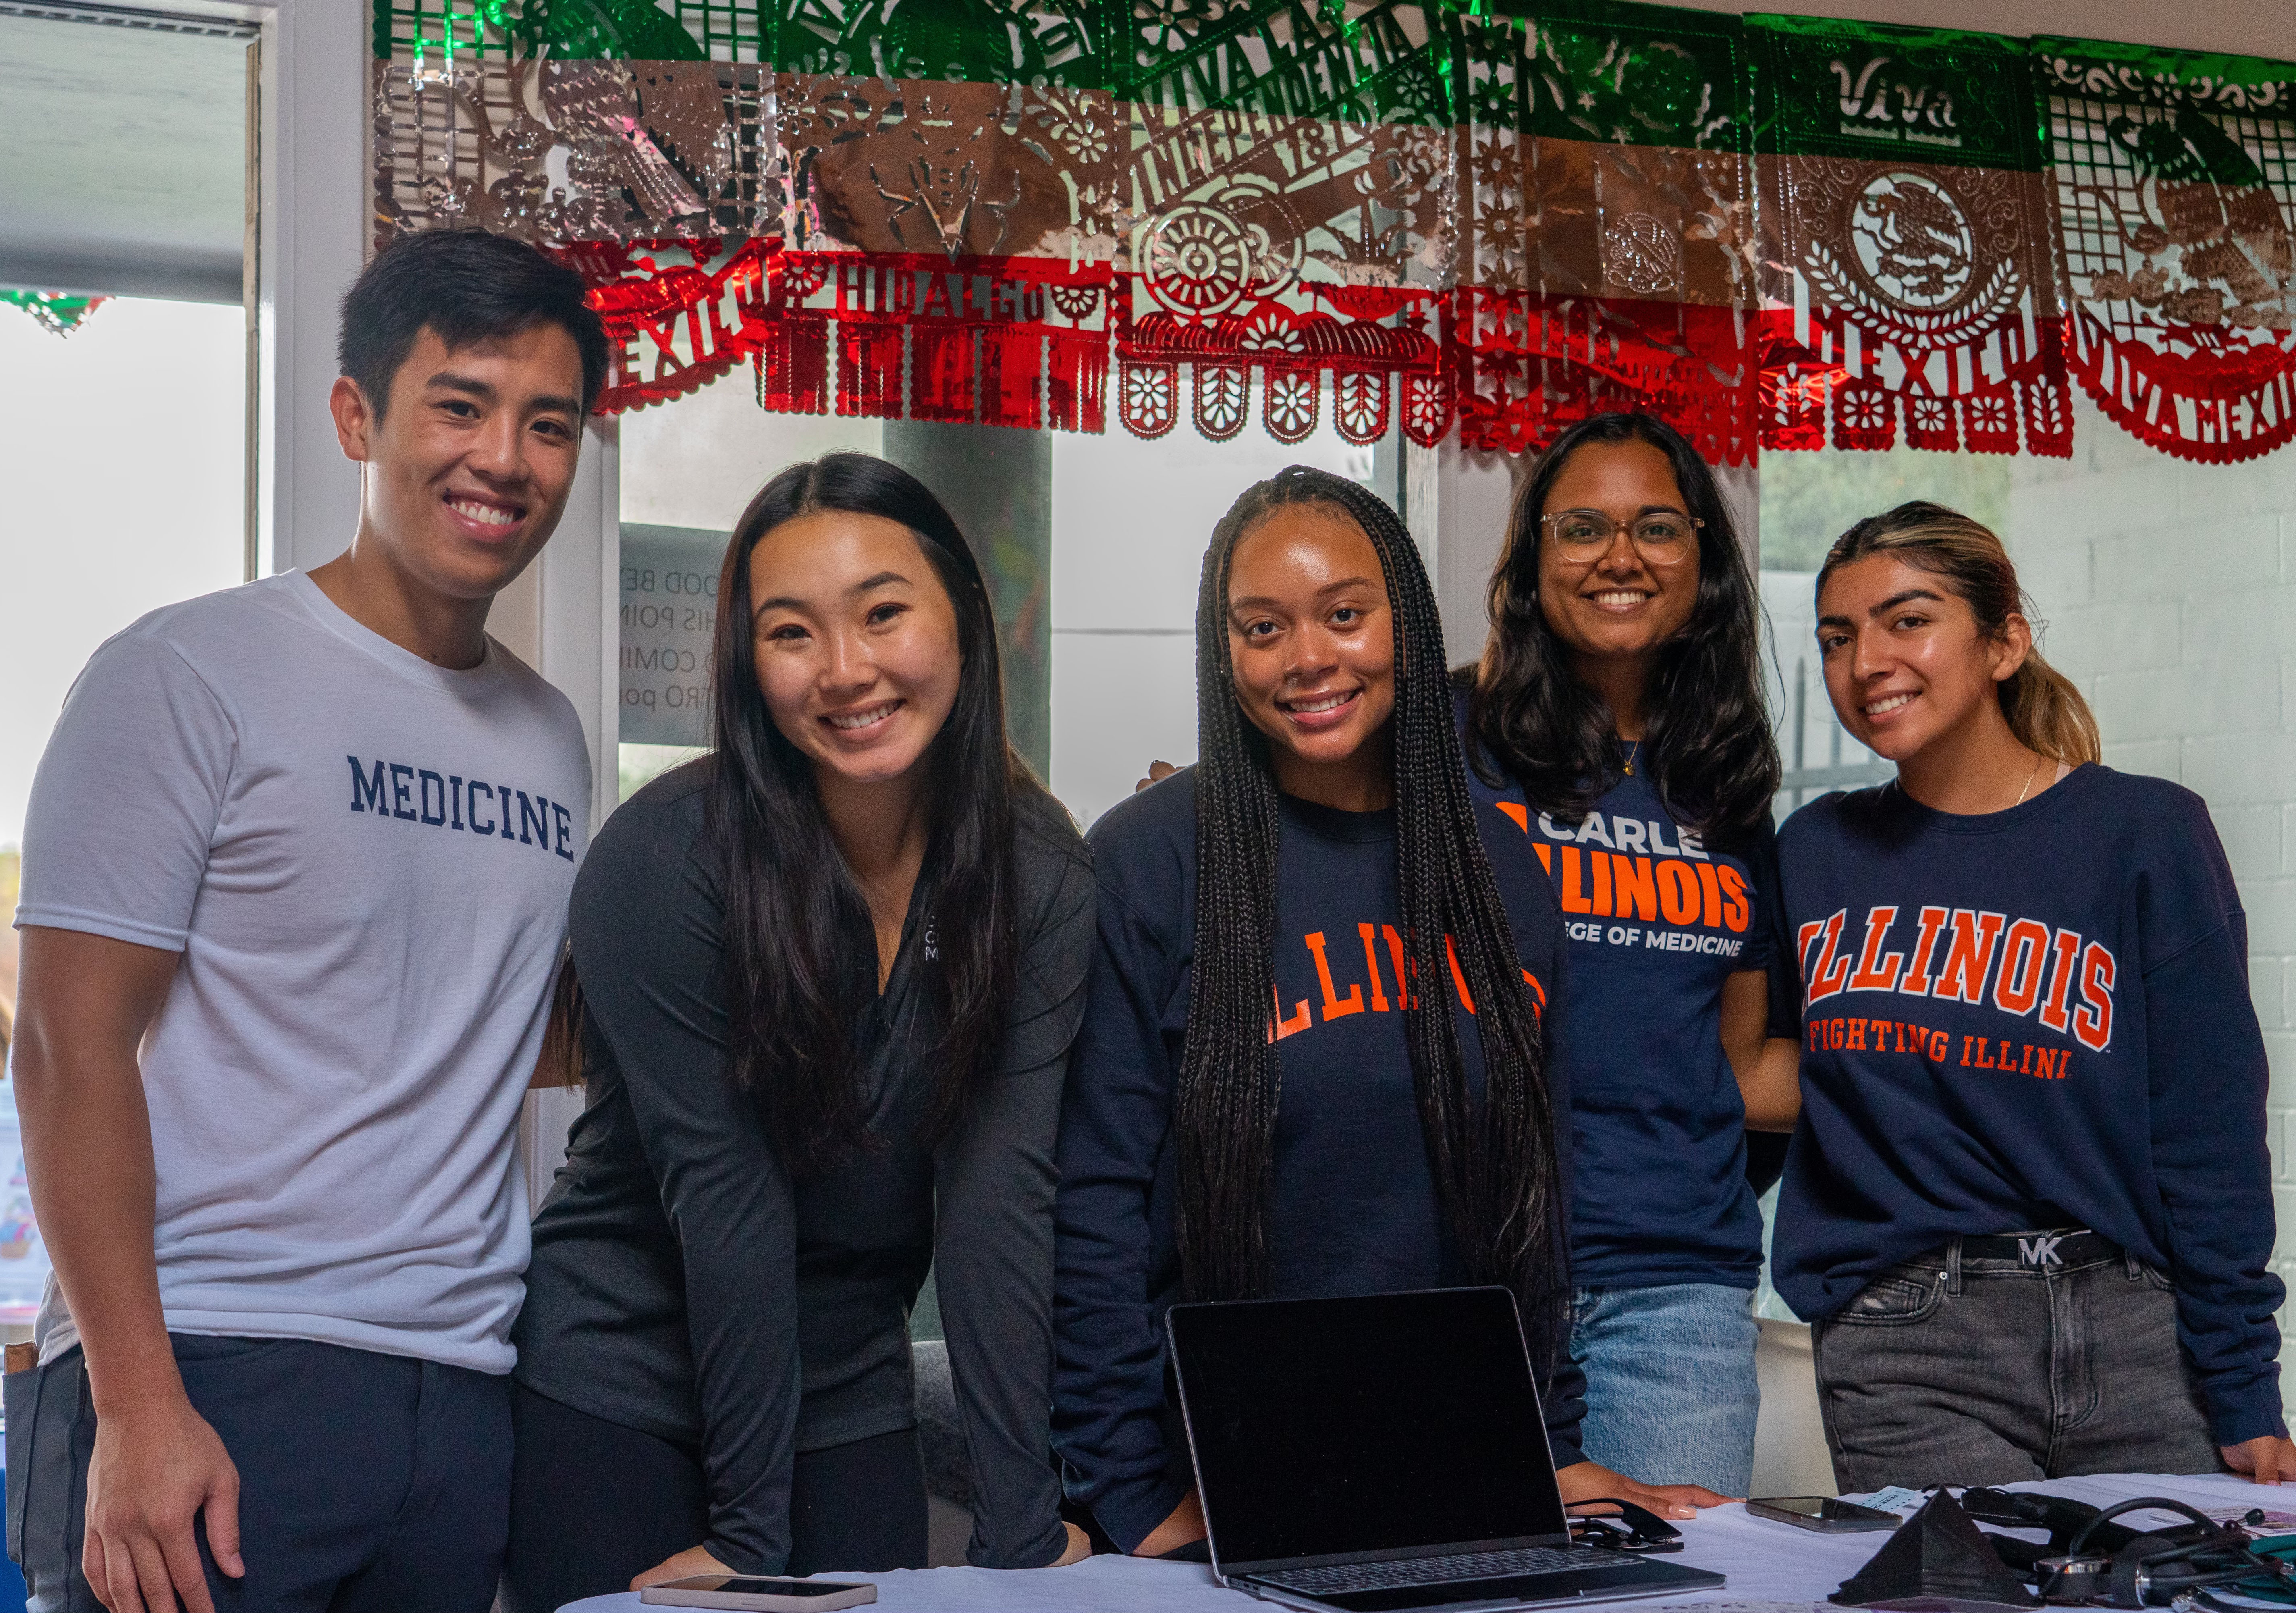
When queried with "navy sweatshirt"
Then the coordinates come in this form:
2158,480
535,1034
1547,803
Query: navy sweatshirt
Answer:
2028,1020
1657,921
1354,1208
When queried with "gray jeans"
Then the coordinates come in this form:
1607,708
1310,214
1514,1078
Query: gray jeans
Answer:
1948,1371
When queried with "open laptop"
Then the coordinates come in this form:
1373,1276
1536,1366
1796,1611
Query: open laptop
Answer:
1385,1452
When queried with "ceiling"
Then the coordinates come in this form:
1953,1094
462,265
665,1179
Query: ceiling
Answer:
126,155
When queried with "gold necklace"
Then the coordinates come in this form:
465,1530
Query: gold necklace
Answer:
2036,773
1636,751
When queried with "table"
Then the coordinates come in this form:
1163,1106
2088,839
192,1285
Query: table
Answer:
1773,1568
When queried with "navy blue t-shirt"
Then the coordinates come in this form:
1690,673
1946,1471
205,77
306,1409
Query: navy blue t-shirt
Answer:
1657,922
2030,1019
1354,1208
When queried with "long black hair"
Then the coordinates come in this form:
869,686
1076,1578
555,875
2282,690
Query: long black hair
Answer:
1494,1162
1708,743
794,916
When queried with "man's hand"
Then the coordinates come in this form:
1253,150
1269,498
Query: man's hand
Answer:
88,1000
157,1465
680,1565
1583,1481
2268,1459
1158,772
1185,1526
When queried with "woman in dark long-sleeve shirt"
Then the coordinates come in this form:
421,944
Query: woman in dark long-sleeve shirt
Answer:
831,973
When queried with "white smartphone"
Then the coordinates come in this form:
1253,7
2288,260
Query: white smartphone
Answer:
749,1591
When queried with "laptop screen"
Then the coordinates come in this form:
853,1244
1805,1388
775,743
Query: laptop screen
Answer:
1324,1427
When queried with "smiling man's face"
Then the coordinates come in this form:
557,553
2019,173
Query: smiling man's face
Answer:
469,467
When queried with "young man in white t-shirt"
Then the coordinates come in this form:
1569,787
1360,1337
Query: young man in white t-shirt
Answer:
295,880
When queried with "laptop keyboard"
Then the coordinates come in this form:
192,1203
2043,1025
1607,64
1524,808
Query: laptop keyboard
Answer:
1432,1570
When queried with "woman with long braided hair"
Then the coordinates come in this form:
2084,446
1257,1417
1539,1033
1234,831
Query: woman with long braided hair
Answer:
1312,1061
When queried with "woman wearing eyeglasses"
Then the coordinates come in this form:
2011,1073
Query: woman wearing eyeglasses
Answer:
1620,689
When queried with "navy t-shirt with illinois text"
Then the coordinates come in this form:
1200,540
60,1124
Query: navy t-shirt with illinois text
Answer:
1352,1207
2033,1019
1657,921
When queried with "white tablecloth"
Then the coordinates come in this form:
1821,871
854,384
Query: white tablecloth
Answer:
1771,1567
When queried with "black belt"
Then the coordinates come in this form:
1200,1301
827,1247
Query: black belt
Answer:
2043,1250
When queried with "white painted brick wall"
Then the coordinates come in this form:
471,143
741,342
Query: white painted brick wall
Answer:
2169,592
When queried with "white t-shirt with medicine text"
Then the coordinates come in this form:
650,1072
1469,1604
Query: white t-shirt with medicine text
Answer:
365,860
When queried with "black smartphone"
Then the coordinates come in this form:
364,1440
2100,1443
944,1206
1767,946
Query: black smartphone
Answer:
1823,1513
757,1593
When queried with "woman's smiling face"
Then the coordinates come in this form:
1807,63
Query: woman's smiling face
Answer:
1615,603
856,642
1311,635
1906,663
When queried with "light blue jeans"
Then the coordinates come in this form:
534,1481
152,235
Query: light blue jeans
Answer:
1671,1394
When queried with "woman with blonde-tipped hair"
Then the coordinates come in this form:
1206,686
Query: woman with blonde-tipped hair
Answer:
2030,1204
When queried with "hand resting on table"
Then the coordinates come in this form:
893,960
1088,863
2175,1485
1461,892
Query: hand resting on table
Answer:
2268,1459
696,1560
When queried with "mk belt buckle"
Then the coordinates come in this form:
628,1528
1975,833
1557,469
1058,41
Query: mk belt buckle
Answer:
2041,1253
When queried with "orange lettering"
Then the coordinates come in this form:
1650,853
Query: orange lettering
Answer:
1712,890
2066,946
1371,961
1519,813
1831,972
1738,913
1300,1021
1634,880
1677,892
1602,868
1403,997
1545,856
1876,972
1537,992
2093,1021
1334,1006
1969,957
2024,956
1916,980
1574,898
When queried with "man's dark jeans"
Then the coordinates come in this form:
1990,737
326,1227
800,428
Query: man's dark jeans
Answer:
368,1484
1968,1371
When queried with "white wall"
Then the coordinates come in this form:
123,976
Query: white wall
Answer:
1457,504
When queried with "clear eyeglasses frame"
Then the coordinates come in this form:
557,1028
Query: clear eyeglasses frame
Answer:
1583,537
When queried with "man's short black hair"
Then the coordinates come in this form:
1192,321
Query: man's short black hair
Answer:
467,286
